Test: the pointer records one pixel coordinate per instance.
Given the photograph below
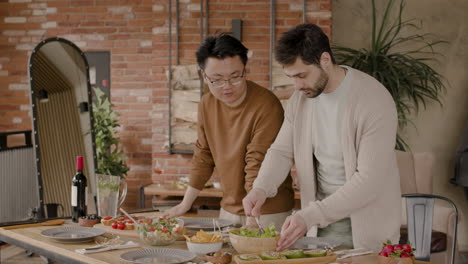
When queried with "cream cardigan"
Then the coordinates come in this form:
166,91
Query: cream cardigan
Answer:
371,195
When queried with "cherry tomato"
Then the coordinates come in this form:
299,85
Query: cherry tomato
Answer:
164,229
121,226
115,225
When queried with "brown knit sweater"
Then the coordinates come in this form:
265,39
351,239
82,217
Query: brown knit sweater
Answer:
235,140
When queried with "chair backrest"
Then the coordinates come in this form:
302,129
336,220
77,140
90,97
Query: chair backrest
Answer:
415,171
420,209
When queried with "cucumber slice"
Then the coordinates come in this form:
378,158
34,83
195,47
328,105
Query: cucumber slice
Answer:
293,254
249,257
316,253
271,255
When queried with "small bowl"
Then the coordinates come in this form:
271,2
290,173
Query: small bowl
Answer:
219,257
203,248
88,222
246,245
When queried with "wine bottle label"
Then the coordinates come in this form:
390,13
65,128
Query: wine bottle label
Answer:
74,196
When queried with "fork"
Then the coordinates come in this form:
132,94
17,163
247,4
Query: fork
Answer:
260,228
109,242
96,247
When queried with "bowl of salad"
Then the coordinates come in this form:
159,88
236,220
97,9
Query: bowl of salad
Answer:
249,240
161,232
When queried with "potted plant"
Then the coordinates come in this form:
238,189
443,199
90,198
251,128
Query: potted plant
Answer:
405,73
111,166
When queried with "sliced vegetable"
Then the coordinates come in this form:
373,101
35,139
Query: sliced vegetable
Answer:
271,255
293,254
316,253
249,257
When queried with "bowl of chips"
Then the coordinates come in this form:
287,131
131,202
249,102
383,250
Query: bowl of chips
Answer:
203,242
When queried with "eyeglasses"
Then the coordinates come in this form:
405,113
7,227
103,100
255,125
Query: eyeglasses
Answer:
222,82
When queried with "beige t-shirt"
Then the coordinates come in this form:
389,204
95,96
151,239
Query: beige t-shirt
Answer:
327,119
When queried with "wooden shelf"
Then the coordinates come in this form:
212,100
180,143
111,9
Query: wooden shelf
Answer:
156,189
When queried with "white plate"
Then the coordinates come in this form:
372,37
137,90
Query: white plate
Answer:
73,234
205,223
315,242
158,255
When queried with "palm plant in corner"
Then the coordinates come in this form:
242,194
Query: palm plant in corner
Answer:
405,73
111,166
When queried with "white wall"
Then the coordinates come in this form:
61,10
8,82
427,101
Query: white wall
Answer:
437,129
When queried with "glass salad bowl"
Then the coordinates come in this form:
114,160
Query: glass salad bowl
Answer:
161,232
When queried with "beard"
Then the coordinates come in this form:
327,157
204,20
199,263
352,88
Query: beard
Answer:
318,87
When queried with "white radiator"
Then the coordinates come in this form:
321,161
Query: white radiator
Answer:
18,184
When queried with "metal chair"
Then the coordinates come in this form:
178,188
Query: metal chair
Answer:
420,209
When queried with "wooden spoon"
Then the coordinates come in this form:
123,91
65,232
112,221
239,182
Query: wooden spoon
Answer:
45,223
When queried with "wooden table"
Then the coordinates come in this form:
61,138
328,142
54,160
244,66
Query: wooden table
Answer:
166,191
31,239
156,189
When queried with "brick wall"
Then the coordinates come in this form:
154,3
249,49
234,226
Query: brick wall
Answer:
136,34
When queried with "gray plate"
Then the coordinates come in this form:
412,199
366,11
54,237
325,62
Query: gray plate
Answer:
315,242
73,234
158,255
205,223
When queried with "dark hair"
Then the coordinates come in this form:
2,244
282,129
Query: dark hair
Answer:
306,41
220,46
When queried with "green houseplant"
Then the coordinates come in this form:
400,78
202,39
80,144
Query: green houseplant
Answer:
110,158
405,73
111,166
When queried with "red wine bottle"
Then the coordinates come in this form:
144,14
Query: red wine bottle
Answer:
78,193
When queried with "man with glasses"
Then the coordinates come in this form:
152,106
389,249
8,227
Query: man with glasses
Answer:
237,122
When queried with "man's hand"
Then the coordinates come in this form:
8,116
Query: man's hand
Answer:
250,222
177,210
253,202
180,209
293,228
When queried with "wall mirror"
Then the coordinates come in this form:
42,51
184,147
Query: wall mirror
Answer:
62,123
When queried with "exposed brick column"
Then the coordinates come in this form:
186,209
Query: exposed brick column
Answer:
136,34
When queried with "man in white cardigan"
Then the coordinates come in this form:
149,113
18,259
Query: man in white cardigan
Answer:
339,130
